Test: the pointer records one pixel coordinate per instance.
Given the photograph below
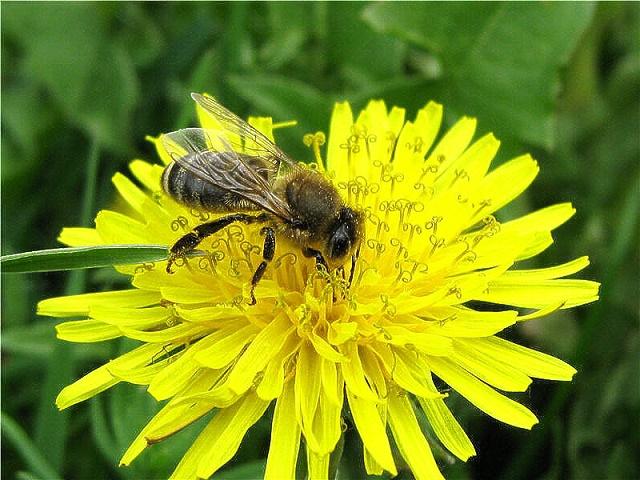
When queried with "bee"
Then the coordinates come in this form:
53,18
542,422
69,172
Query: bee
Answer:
237,171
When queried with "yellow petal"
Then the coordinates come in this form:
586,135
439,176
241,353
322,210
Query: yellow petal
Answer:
445,426
339,132
231,425
543,220
490,369
329,378
323,348
220,439
408,376
91,384
327,424
372,431
481,395
396,120
116,228
264,125
416,139
370,465
428,121
135,318
142,363
354,375
177,333
225,345
427,343
474,162
184,295
532,363
375,376
176,418
80,237
307,388
263,347
453,143
86,331
149,174
459,322
272,381
409,152
341,332
140,375
78,305
130,192
140,443
162,152
217,395
181,416
534,245
410,440
285,438
541,293
548,273
317,465
179,372
504,184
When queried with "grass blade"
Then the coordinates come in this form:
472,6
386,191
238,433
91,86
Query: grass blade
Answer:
32,457
81,257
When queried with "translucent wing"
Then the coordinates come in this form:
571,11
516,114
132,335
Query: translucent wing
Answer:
252,141
209,155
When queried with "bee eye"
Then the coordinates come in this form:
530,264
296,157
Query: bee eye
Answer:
339,243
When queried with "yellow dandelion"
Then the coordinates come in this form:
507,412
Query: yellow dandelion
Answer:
322,349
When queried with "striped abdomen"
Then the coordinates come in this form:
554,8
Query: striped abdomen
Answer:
190,190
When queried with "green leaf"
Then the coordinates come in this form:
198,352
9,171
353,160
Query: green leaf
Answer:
67,50
281,97
350,43
290,29
109,98
81,257
500,60
18,438
54,31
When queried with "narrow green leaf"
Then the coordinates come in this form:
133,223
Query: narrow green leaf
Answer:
81,257
33,458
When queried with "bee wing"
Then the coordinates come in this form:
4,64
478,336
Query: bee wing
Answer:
252,141
209,155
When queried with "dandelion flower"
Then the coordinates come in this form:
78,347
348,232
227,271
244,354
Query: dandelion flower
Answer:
321,351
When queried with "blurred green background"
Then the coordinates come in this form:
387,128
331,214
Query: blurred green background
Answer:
82,84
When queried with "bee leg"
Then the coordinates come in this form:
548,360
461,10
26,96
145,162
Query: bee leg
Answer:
191,240
268,250
311,253
353,265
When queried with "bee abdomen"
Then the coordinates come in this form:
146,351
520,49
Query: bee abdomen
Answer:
188,189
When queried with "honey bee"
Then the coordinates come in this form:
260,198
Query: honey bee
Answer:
238,171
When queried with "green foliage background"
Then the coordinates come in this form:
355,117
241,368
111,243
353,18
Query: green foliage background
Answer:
84,83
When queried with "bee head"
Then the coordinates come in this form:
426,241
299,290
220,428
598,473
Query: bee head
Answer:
345,233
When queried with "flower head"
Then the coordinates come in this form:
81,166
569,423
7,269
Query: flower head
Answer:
324,350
